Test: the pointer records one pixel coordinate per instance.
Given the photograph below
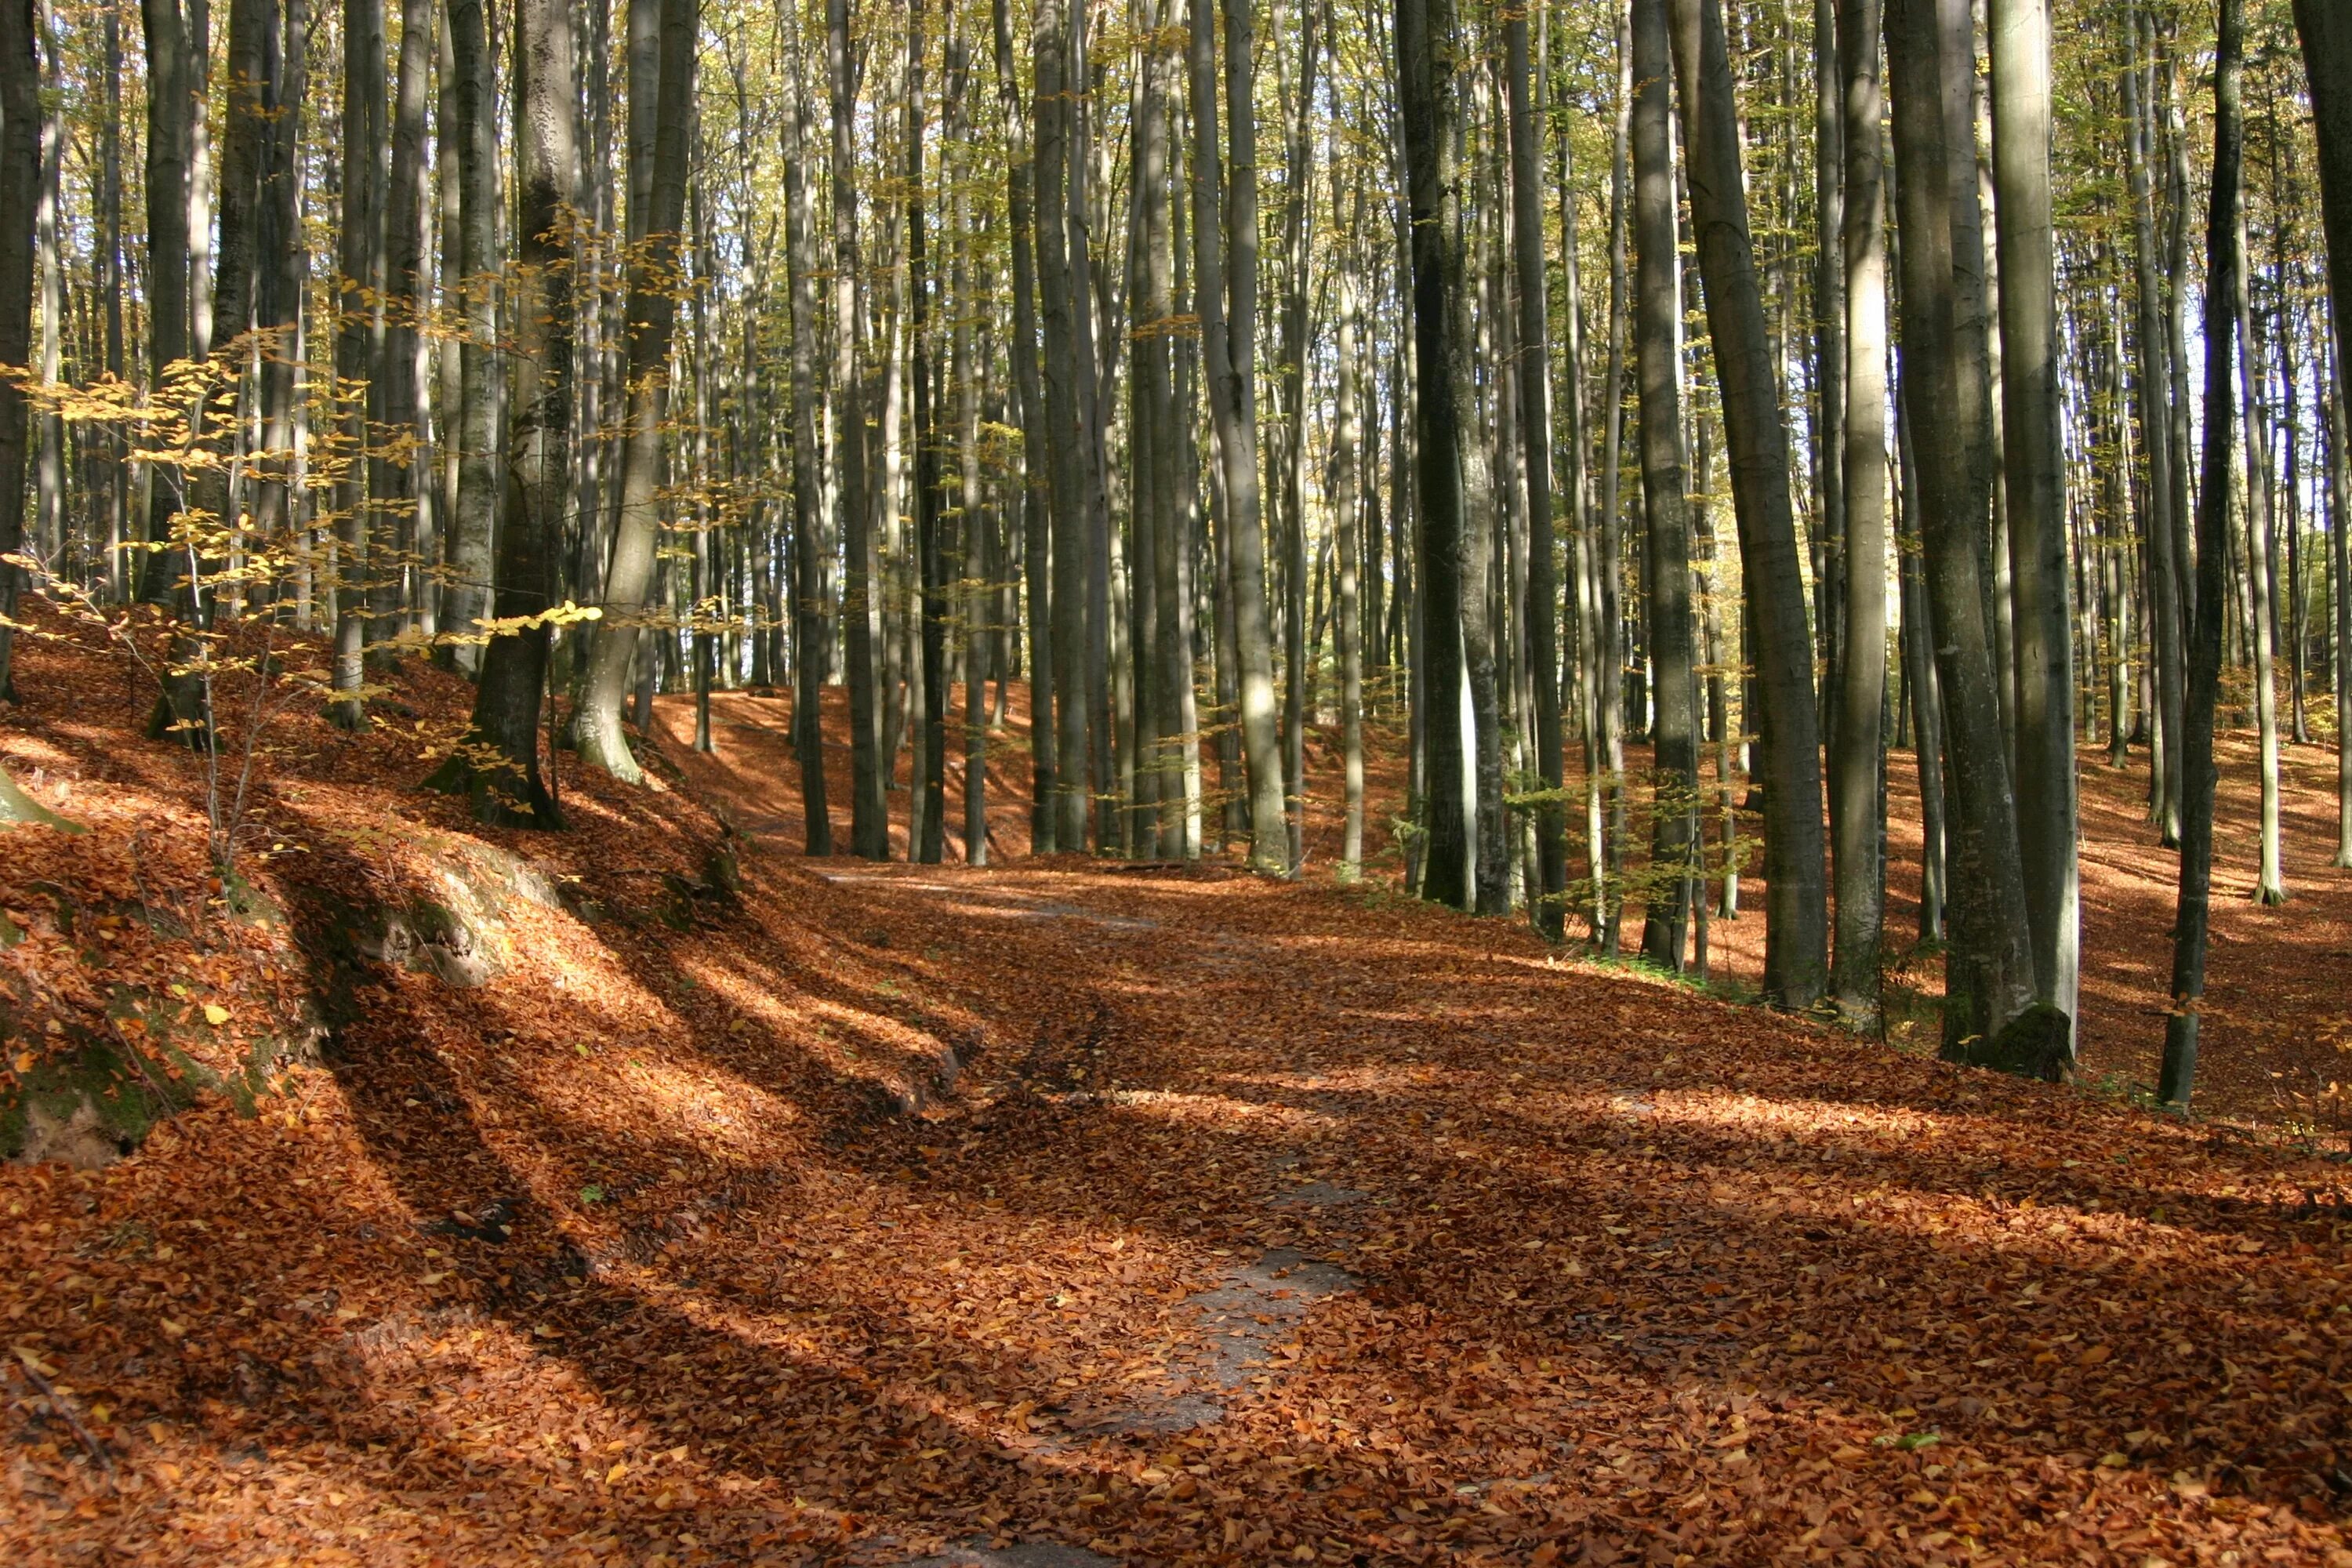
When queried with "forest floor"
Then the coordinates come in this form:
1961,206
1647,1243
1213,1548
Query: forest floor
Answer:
1063,1213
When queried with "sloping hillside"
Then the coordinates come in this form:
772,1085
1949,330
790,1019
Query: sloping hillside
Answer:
601,1203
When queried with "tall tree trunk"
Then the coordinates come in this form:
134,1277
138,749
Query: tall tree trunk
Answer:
2222,261
1428,65
1857,745
2326,34
2151,388
358,295
1036,550
281,259
1228,336
811,655
1796,916
401,510
1989,965
869,821
497,764
2269,886
167,257
1665,542
654,265
474,521
1548,902
2034,460
20,175
1061,449
930,773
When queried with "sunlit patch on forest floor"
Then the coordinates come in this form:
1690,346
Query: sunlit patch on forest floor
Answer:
884,1211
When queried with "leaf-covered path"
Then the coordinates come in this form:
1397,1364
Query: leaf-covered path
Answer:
898,1211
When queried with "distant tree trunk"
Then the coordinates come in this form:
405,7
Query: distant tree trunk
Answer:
652,320
1608,842
1290,383
497,764
978,575
1548,902
1428,63
1228,353
811,655
1349,608
1796,914
931,774
1665,543
2151,389
473,524
358,297
1061,450
869,821
167,258
1036,550
2269,886
2222,261
2327,33
1988,966
401,509
2033,455
1857,745
20,176
282,257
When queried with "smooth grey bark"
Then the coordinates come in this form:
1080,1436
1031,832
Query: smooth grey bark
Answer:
1073,765
2151,385
497,764
1547,902
1666,538
1608,843
1428,65
930,776
1348,609
20,176
2326,30
654,261
473,524
1796,913
2034,462
1857,744
358,295
810,650
281,257
1227,300
167,259
2193,913
2269,886
869,821
1989,963
400,508
1290,447
1036,550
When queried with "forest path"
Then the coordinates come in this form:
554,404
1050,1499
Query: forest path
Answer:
1607,1269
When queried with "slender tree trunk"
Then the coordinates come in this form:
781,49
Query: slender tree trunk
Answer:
2326,35
1666,544
497,764
20,175
1857,745
1037,552
811,655
2033,455
2151,388
399,514
653,267
931,774
358,305
2222,261
166,293
2269,886
1548,903
473,524
1228,352
1796,916
869,822
1348,609
1988,967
